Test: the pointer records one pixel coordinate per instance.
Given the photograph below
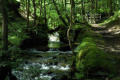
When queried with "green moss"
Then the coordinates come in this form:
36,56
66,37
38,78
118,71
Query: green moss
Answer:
92,61
81,26
111,19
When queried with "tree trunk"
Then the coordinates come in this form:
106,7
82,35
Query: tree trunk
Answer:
45,13
69,39
28,12
111,8
96,5
83,11
73,10
5,71
65,4
59,14
34,6
4,26
40,3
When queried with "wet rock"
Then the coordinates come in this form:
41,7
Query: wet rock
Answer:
60,77
37,39
54,57
26,62
49,72
64,77
6,72
55,63
34,43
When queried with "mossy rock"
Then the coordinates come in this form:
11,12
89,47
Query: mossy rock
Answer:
37,37
92,62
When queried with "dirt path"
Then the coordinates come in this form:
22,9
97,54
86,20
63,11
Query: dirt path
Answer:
111,37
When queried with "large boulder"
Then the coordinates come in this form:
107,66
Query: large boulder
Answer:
38,38
92,62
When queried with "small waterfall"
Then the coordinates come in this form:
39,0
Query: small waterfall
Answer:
54,42
54,37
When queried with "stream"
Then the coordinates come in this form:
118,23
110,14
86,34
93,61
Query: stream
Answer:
45,65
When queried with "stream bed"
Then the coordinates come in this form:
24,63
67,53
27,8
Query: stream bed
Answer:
49,65
45,65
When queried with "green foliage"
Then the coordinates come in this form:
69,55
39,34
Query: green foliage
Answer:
111,19
16,31
15,40
92,62
12,57
15,56
12,1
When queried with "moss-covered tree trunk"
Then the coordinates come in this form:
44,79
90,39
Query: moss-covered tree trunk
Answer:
5,69
4,25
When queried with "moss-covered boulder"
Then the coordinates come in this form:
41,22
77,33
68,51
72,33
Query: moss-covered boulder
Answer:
92,62
38,37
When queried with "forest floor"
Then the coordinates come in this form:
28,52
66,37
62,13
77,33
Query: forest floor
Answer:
111,38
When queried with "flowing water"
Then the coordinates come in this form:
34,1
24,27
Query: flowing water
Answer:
41,65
